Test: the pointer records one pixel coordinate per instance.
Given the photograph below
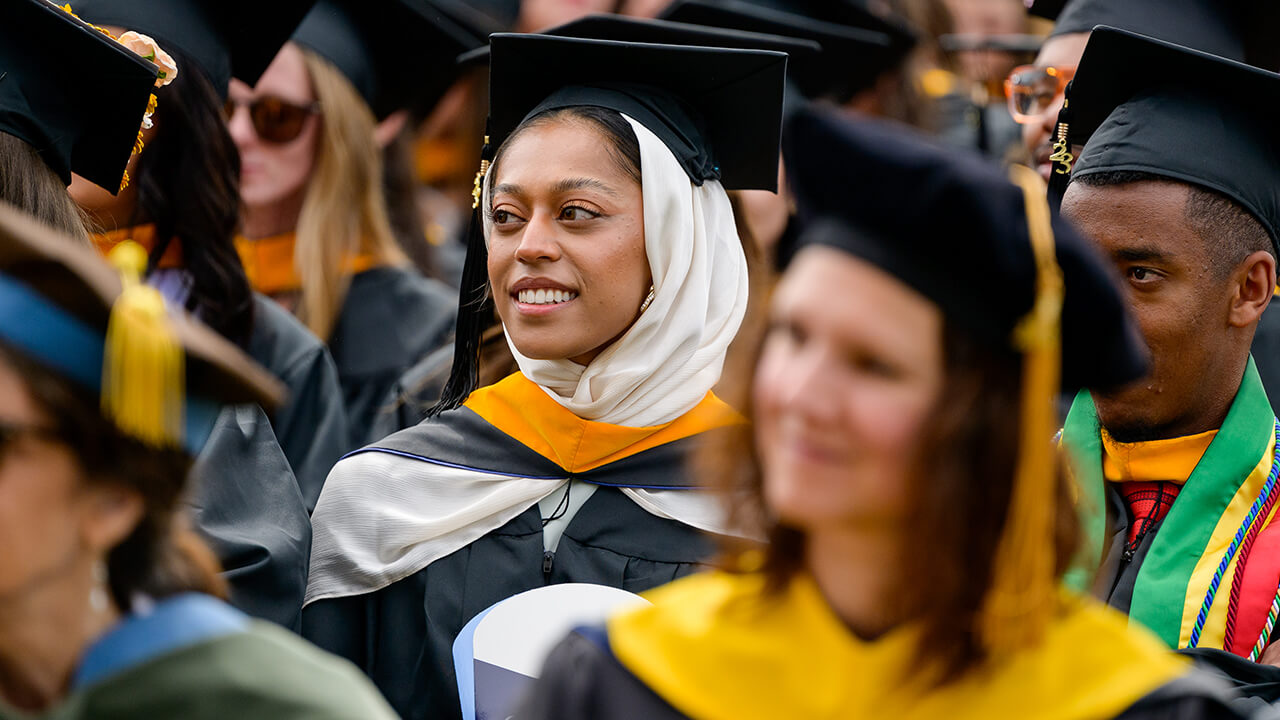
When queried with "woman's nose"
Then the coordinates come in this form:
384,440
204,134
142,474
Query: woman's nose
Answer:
538,242
239,125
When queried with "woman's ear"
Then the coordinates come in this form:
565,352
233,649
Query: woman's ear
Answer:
111,512
1255,284
385,132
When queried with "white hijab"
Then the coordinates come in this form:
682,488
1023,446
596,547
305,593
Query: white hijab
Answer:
672,356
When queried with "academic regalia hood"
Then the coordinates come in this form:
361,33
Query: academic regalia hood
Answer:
72,93
1142,104
226,38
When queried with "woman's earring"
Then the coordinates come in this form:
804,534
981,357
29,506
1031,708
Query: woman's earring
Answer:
647,301
98,599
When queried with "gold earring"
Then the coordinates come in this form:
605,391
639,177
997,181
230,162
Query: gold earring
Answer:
648,299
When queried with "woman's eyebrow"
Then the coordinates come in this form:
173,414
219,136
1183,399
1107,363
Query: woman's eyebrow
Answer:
581,183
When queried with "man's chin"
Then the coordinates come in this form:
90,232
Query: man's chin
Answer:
1116,415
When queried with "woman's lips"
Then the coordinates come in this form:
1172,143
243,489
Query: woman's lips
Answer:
542,300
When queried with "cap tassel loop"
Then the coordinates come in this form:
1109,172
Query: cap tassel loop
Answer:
1022,596
475,313
143,368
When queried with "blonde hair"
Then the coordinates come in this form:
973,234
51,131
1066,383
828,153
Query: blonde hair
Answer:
344,212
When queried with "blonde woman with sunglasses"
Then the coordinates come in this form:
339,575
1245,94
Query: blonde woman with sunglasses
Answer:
317,234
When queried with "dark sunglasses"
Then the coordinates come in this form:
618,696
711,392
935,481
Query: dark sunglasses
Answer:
274,119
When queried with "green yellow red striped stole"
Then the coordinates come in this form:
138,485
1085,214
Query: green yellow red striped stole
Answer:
1176,594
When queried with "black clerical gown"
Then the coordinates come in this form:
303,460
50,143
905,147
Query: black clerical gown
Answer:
392,317
245,503
311,426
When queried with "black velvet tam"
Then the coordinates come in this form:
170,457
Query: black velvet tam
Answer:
397,53
226,38
719,110
1141,104
954,229
70,92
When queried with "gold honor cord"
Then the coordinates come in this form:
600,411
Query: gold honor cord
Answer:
1021,599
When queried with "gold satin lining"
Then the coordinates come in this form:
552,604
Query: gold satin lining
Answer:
520,408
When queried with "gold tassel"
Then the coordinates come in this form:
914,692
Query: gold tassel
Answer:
1022,596
143,373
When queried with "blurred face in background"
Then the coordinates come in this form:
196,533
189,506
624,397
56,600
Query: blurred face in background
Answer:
538,15
275,127
850,368
1063,53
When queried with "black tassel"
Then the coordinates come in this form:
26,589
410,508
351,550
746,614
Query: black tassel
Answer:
475,308
1061,159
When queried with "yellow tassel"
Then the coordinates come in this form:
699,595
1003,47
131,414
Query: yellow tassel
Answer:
1023,594
143,373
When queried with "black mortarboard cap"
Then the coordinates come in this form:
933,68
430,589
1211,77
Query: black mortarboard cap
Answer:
852,55
601,26
1208,25
72,93
719,110
1142,104
953,228
226,38
397,53
617,27
852,13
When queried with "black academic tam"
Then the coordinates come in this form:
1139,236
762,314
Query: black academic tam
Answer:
954,228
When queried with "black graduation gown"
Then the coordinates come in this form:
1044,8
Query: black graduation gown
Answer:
311,426
1266,350
245,503
413,394
582,679
402,635
392,317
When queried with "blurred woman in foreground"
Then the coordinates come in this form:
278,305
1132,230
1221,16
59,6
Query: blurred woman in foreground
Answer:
901,466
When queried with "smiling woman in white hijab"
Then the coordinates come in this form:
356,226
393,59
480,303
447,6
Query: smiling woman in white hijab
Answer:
610,255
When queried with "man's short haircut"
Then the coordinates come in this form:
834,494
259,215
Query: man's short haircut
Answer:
1231,232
